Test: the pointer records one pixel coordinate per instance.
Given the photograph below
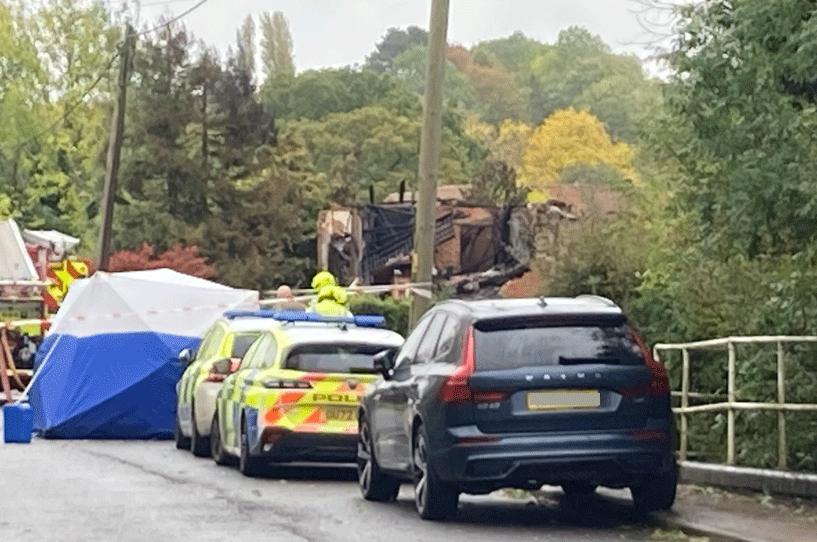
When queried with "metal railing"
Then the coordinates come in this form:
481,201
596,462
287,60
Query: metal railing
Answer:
731,405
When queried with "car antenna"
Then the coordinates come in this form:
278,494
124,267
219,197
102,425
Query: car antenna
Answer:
543,302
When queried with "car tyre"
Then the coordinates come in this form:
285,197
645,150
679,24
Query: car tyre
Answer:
247,465
182,442
374,484
579,489
434,498
199,445
657,492
216,447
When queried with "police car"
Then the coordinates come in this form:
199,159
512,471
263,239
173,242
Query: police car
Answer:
295,396
219,354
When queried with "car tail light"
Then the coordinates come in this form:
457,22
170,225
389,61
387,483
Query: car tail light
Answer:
283,383
456,388
659,380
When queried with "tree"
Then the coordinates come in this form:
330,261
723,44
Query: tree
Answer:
245,47
747,101
580,71
568,138
495,184
511,142
184,259
315,94
497,94
264,232
515,53
276,46
373,146
409,67
394,43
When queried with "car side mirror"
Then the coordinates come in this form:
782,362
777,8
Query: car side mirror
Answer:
186,356
384,362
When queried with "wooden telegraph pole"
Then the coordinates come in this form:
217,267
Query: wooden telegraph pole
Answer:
115,149
430,140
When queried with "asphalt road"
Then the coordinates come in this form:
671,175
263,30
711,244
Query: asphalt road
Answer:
134,490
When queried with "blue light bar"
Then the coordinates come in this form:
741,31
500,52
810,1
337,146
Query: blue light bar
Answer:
360,320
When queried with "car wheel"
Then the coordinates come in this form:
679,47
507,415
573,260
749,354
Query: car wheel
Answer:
374,484
434,498
216,447
579,489
248,465
182,442
657,492
199,445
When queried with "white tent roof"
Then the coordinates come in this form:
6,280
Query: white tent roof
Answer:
15,263
161,301
58,241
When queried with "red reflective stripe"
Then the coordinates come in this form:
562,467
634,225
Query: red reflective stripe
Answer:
315,417
289,397
273,415
313,377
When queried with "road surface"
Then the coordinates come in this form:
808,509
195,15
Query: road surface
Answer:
135,490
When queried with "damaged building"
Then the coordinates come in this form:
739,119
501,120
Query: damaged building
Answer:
478,248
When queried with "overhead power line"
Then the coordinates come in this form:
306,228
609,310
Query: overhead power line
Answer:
173,19
105,71
75,105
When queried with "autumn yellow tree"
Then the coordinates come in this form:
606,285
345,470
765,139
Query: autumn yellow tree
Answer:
569,138
510,143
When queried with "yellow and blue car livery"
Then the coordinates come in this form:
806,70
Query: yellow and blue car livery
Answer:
296,395
224,344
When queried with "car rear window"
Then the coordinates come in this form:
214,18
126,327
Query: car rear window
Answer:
334,358
524,344
242,343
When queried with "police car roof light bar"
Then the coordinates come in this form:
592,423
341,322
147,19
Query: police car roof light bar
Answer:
360,320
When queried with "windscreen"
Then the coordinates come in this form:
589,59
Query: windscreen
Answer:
526,344
242,343
334,358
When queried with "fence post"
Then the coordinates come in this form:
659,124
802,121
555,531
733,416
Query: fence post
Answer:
684,404
730,413
782,451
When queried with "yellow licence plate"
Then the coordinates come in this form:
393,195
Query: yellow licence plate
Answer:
339,414
563,399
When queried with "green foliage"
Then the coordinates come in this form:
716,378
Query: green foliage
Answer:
410,68
315,94
276,46
720,239
495,184
372,146
394,43
580,71
396,311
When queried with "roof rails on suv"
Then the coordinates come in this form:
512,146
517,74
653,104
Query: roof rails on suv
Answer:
599,299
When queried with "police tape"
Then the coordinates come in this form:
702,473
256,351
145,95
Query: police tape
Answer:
148,312
421,289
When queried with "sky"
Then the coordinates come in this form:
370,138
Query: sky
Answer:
332,33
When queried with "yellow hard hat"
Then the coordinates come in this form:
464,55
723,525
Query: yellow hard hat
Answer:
323,278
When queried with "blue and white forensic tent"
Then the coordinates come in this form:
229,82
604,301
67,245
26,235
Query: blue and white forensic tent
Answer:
109,367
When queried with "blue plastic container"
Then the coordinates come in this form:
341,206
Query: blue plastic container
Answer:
18,423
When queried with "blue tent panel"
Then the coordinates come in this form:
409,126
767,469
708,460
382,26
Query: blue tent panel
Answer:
116,385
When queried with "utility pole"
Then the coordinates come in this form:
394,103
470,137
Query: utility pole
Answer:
115,149
425,217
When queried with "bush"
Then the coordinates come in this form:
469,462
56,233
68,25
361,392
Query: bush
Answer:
396,311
